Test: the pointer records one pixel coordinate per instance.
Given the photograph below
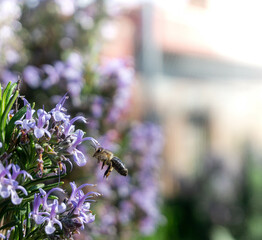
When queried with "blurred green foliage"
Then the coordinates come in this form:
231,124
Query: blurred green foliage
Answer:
188,218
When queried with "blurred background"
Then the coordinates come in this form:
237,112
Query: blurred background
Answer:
173,88
198,63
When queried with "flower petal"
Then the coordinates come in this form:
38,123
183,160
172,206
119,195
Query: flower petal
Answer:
22,189
39,219
59,116
79,158
14,198
4,191
39,132
49,228
58,223
61,208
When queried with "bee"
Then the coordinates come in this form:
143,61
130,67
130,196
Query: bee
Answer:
112,161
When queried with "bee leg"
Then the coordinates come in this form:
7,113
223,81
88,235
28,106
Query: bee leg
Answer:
108,171
103,165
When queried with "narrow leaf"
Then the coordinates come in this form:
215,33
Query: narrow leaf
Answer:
11,125
10,91
4,97
5,114
10,224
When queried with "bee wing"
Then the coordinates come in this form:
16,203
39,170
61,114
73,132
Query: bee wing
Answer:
119,166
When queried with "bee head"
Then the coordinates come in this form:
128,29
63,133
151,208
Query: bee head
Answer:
98,150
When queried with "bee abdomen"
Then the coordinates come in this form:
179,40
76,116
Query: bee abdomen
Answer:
119,166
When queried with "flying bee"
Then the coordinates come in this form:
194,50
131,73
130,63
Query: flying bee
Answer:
112,161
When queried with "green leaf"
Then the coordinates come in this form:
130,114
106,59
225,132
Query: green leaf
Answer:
10,224
0,92
10,91
28,222
35,187
31,234
12,235
50,186
0,100
5,115
11,125
32,150
4,208
52,197
4,97
20,226
43,179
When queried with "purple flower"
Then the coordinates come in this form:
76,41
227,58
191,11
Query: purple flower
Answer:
49,212
140,194
117,74
8,76
77,193
28,123
51,219
71,73
79,157
16,171
60,67
58,112
52,76
42,124
70,215
81,203
60,208
8,183
97,106
147,136
147,143
68,126
32,76
126,211
35,214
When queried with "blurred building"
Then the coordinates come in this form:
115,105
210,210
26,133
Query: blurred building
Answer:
200,65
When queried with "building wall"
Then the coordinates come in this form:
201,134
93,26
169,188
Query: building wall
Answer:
200,70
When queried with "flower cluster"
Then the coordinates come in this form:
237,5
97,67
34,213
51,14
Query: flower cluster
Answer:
35,146
54,59
117,76
133,201
111,103
55,127
8,183
67,74
70,215
147,144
